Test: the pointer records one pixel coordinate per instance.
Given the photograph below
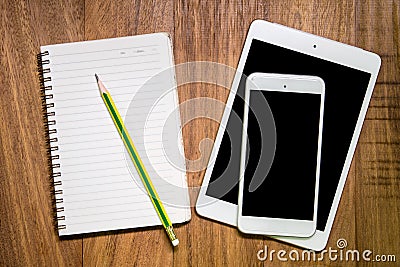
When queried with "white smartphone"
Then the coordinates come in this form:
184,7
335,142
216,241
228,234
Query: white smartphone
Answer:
281,151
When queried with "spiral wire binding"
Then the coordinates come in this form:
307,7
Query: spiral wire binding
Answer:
51,146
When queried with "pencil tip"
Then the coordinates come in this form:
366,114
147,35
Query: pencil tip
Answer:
100,84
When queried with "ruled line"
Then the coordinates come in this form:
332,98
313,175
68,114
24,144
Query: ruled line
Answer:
86,141
90,148
107,73
91,162
114,190
105,81
118,140
101,184
97,169
80,98
86,105
127,173
98,125
109,212
107,117
104,66
108,153
96,177
123,166
112,89
97,104
104,50
128,218
88,112
95,133
117,160
103,198
103,59
106,205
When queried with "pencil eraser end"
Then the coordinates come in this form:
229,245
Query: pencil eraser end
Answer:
175,242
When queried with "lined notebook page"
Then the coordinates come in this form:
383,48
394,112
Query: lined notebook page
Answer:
101,189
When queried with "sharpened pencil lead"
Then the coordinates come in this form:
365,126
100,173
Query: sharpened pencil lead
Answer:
101,86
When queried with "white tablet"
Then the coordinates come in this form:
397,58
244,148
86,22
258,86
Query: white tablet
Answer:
349,74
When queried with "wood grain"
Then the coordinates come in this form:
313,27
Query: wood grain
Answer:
378,154
27,235
369,212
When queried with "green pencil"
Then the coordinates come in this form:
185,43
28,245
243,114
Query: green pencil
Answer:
137,162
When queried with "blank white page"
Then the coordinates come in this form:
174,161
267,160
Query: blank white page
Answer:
99,188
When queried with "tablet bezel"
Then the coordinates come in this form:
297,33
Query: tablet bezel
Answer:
312,45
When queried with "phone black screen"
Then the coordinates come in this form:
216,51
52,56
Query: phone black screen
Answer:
287,190
345,90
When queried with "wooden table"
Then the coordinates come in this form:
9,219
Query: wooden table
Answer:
369,212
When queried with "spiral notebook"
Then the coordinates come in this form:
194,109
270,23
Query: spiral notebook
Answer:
96,187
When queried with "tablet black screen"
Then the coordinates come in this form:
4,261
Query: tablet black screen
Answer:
345,89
